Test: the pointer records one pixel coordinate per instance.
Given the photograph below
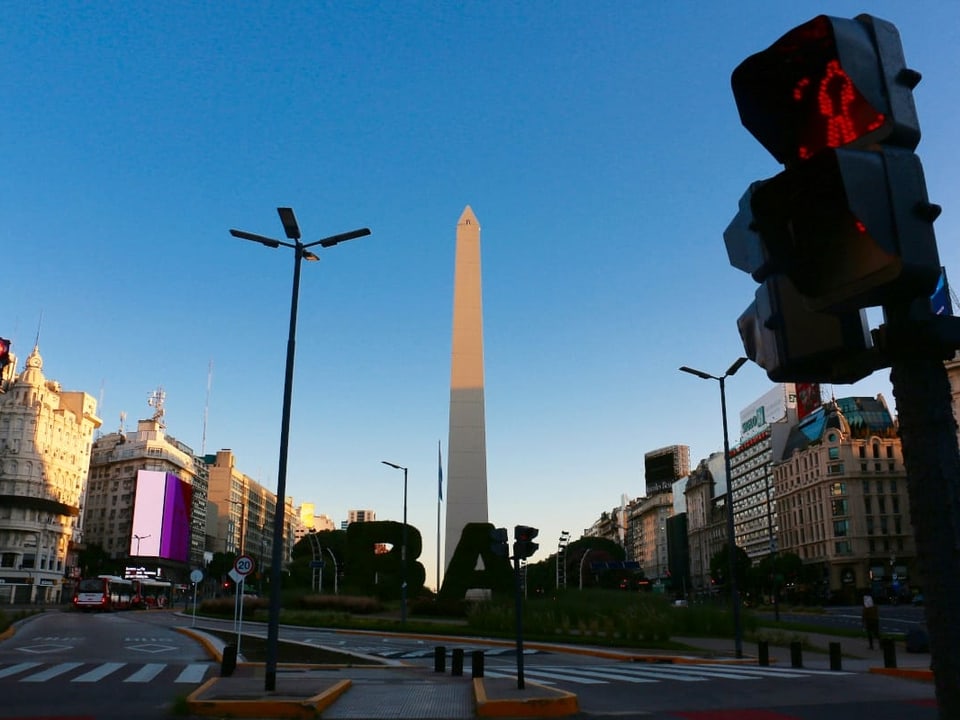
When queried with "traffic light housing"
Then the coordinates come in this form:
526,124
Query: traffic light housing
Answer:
831,82
523,545
794,344
847,225
498,542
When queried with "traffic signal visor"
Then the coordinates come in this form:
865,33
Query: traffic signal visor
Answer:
829,83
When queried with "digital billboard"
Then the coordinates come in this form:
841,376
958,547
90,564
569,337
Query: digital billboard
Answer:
161,516
665,466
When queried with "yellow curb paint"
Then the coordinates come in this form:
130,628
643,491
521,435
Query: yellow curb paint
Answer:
560,705
907,673
273,708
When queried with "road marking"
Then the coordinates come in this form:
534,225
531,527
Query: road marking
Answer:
147,673
52,672
192,673
19,667
100,672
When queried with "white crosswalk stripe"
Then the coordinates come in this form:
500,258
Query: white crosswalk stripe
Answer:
192,673
99,673
36,672
147,673
644,673
52,672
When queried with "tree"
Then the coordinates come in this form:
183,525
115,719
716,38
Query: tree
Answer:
719,564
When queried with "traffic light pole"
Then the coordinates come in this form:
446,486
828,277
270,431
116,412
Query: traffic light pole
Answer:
519,607
928,433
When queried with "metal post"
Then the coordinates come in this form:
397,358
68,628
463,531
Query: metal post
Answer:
276,572
519,613
731,536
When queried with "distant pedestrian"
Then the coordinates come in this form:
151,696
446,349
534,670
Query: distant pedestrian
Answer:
871,619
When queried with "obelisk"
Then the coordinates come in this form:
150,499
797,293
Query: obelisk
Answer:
467,442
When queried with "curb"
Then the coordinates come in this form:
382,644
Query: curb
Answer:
906,673
259,707
553,703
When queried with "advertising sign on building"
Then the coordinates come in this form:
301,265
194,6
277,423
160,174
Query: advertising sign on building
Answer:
771,407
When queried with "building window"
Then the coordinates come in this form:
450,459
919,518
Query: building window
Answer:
839,507
838,488
893,486
876,450
866,483
889,451
870,527
842,547
863,451
840,528
833,453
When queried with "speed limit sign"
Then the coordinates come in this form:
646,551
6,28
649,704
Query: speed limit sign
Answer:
244,565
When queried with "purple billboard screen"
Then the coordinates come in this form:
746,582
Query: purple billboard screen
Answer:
147,514
175,537
161,517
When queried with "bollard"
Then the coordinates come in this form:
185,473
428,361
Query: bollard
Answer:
835,663
228,661
456,662
796,655
476,663
889,653
764,653
440,659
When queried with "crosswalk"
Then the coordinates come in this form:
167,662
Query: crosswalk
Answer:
79,672
648,673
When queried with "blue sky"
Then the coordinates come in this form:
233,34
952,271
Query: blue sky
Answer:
598,144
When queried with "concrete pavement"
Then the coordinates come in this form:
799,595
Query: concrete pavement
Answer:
401,692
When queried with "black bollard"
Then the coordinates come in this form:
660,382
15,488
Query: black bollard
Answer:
889,653
835,662
477,663
228,661
440,659
456,662
764,653
796,655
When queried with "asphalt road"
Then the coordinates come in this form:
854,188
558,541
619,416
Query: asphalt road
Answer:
122,665
103,666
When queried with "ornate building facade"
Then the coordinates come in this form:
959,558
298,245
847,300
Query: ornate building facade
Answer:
45,440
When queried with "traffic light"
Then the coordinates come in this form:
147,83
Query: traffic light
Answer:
847,225
523,545
498,542
794,344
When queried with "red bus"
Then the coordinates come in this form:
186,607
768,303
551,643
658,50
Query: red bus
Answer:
151,593
104,592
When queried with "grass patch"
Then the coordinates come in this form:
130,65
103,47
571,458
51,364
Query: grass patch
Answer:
254,649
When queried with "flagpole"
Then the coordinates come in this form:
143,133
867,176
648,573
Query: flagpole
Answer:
439,499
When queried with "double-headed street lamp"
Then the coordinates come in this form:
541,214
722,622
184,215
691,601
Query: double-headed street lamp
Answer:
731,537
403,547
138,538
292,231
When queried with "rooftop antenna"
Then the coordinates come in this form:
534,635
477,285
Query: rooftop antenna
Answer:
39,325
155,400
100,406
206,410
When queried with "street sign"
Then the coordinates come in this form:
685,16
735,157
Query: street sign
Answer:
244,565
196,576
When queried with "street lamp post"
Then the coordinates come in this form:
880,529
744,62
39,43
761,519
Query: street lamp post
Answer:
562,559
403,547
292,231
138,538
731,537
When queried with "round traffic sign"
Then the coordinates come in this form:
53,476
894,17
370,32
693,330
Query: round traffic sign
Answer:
196,576
244,565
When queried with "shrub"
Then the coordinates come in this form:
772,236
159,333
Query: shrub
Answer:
352,604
